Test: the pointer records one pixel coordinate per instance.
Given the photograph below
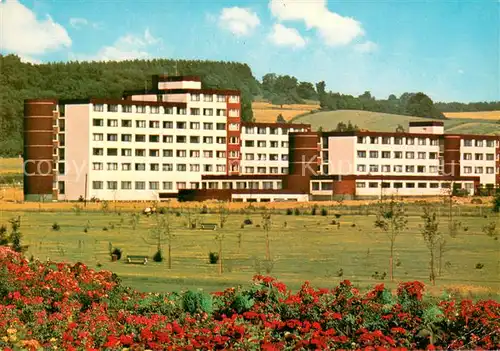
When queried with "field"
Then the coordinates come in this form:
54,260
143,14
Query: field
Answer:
375,121
303,248
11,165
493,115
267,113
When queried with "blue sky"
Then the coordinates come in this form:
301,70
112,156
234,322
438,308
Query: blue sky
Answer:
447,49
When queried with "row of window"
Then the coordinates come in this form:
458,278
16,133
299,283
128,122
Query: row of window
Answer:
479,143
194,111
165,167
411,185
479,170
398,154
219,98
167,139
397,168
128,123
396,140
154,185
264,143
168,153
265,157
263,170
272,130
479,157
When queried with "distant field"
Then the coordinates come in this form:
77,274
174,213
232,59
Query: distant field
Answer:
494,115
11,165
266,112
376,121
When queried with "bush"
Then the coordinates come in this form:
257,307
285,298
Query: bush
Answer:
162,210
158,257
197,302
289,211
213,257
313,211
324,212
247,221
204,209
479,265
338,215
297,212
476,201
177,214
117,252
3,230
56,227
496,203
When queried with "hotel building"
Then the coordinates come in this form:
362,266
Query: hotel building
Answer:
179,140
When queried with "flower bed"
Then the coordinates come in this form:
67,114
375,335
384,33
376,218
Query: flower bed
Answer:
47,305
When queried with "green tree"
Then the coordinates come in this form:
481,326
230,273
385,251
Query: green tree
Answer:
432,237
280,119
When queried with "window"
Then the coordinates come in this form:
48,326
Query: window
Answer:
154,124
97,185
467,156
167,185
97,166
410,185
126,123
112,185
168,153
445,185
112,108
234,140
236,154
479,143
208,168
140,153
398,141
420,169
181,185
249,143
434,185
433,155
421,155
112,123
208,154
261,170
261,143
112,166
112,152
140,185
208,98
249,157
126,185
140,109
181,125
140,138
194,153
386,154
112,137
208,112
490,143
274,144
421,141
478,157
361,168
386,140
155,109
422,185
97,122
433,169
398,154
373,168
194,139
398,168
410,169
181,167
154,185
360,185
195,111
126,167
490,157
126,137
194,168
154,138
208,140
261,130
195,97
490,170
126,152
284,170
181,153
97,151
361,140
410,141
284,144
467,142
180,111
261,157
154,153
127,108
98,137
140,166
221,126
99,108
373,185
467,170
362,154
398,185
220,140
208,126
410,155
221,98
249,169
194,125
386,168
478,170
221,112
434,142
168,139
373,154
167,167
140,124
168,124
373,140
267,185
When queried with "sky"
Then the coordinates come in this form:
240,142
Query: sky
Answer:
448,49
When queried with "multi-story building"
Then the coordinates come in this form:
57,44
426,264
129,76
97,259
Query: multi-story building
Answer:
148,145
179,140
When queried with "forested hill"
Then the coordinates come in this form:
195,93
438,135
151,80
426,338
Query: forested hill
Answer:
19,81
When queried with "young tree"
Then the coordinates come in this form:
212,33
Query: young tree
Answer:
223,215
266,225
220,238
391,218
15,235
280,119
430,232
162,234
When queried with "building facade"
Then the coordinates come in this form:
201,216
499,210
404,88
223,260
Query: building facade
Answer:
179,140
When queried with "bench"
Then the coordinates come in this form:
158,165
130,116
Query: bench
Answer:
208,226
137,259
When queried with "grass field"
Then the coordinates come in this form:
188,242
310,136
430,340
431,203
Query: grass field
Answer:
308,248
388,122
493,115
11,165
266,112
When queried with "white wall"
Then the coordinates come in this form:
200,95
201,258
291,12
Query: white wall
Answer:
179,85
484,177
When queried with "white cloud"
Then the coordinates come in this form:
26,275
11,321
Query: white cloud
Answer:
22,33
79,23
460,71
366,47
239,21
333,28
128,47
284,36
29,59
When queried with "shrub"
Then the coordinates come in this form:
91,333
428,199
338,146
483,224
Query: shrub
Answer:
213,257
479,265
3,230
177,214
162,210
289,211
297,212
476,201
158,257
196,302
324,212
496,203
204,209
338,215
247,221
313,211
105,229
56,227
117,252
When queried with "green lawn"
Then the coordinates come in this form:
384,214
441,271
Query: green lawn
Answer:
375,121
309,248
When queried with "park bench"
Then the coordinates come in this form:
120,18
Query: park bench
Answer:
137,259
208,226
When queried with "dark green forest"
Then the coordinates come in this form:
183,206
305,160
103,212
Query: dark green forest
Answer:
72,80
